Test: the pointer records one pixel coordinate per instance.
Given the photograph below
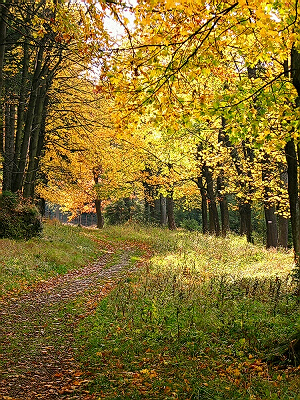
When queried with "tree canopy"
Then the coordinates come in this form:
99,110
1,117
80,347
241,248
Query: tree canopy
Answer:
174,100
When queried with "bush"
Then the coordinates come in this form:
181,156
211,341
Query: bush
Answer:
19,219
190,224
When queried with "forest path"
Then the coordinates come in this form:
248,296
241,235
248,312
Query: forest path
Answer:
37,347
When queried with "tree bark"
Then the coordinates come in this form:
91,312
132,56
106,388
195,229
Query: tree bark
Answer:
29,182
214,224
163,211
271,225
204,213
9,146
19,176
3,14
283,223
170,212
292,162
269,209
100,219
223,206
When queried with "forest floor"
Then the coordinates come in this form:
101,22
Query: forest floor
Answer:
36,327
156,315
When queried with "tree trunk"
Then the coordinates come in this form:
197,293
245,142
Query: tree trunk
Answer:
29,182
3,13
100,219
170,212
269,208
283,223
291,157
21,106
223,206
9,146
18,178
293,164
271,225
163,211
214,224
245,211
204,213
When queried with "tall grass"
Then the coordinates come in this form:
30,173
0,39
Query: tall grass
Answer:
198,322
59,249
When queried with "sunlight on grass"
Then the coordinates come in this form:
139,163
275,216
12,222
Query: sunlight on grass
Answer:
60,248
195,323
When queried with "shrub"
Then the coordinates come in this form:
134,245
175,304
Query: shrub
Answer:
19,219
190,224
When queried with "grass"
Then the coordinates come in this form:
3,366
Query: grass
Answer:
197,323
60,249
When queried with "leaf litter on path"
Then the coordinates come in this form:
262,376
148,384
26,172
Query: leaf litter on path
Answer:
36,329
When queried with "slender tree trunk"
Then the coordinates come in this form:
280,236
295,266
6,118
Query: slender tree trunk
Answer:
18,178
214,224
271,225
223,206
97,171
269,209
100,219
3,13
9,146
245,211
292,162
204,213
170,212
163,210
21,107
283,223
29,182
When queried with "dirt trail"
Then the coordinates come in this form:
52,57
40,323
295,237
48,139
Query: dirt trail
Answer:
36,330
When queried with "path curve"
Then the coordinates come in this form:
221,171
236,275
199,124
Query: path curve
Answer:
42,368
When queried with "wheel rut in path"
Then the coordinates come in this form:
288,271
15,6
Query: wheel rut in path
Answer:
36,330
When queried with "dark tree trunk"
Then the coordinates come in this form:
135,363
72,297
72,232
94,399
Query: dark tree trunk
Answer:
292,162
33,155
283,223
204,213
19,176
271,225
269,209
163,210
170,212
245,211
21,106
9,146
3,14
214,224
283,231
223,206
100,219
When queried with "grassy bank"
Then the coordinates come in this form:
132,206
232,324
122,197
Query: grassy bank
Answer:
197,323
60,249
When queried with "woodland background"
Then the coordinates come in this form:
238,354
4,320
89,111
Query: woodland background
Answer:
148,106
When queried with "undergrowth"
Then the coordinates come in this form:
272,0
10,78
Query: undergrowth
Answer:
60,249
198,322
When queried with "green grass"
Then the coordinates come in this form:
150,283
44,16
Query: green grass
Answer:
60,249
195,323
